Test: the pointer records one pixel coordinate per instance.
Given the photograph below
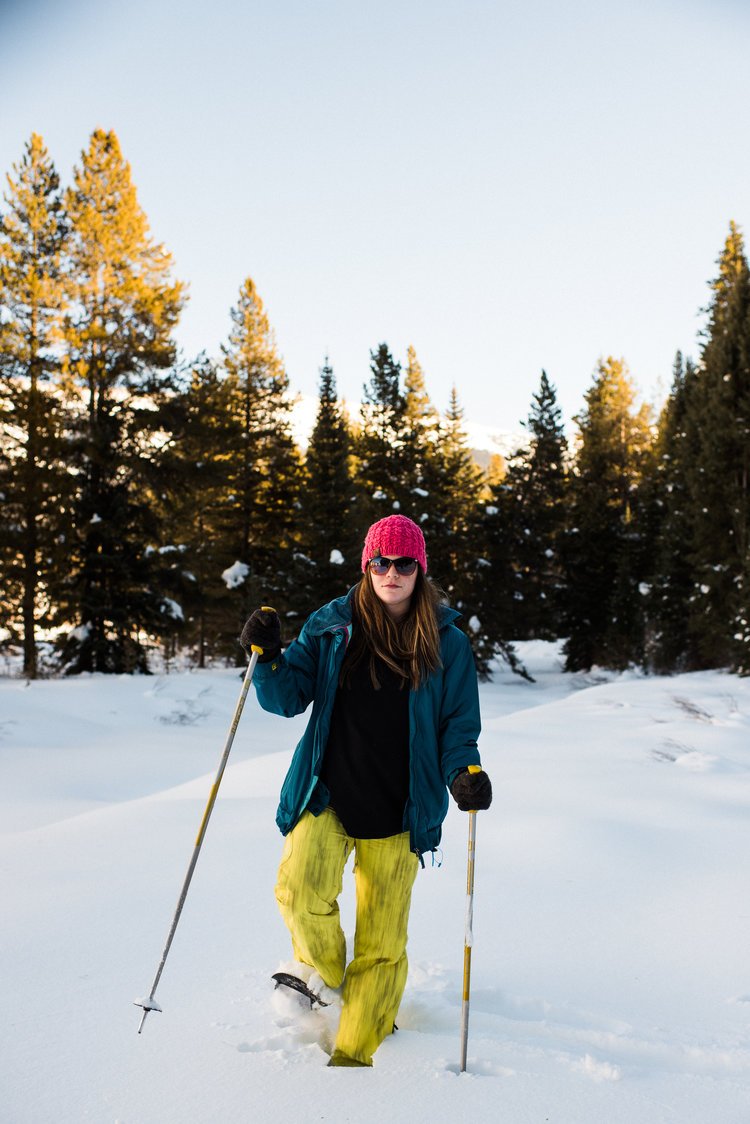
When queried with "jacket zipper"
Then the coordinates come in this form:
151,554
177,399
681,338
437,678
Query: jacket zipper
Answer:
338,630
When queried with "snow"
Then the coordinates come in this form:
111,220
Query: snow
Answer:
172,609
610,977
336,558
235,574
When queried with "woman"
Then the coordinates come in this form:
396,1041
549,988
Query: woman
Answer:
395,720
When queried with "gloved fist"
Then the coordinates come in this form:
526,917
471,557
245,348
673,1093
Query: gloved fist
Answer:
262,629
472,791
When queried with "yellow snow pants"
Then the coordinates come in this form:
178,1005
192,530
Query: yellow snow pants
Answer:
309,883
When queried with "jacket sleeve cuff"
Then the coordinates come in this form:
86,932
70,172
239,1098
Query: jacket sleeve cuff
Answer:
264,671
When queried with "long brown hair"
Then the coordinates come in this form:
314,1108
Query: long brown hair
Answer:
410,647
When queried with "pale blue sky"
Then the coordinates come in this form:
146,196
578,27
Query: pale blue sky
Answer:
507,186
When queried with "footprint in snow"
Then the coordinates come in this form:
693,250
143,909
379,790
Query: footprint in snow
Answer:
692,710
685,756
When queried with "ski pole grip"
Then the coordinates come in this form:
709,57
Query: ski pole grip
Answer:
256,647
474,769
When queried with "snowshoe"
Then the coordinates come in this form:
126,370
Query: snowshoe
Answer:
285,979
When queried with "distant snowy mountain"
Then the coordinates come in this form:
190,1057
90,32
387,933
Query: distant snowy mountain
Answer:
486,440
483,440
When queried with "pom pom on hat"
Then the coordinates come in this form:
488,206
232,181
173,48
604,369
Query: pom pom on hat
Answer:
395,535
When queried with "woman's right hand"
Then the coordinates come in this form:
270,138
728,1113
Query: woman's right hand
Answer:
262,630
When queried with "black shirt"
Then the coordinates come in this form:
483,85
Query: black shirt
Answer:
366,761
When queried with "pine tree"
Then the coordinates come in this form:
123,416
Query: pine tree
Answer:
329,538
456,543
418,407
32,257
489,572
421,430
671,580
490,617
383,472
604,562
532,501
494,473
123,307
718,477
202,428
454,484
260,516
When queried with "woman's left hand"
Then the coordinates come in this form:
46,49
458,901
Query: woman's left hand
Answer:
472,791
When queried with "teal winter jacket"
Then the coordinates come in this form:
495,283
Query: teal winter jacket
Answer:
444,721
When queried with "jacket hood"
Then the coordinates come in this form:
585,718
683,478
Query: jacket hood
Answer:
338,614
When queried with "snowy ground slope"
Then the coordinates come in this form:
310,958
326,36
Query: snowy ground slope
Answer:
611,978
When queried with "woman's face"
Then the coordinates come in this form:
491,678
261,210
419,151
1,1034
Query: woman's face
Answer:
394,589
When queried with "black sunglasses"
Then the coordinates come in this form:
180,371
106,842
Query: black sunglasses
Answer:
404,566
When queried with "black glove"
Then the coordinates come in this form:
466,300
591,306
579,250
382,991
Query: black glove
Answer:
472,791
262,629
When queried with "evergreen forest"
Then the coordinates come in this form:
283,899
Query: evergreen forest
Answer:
149,502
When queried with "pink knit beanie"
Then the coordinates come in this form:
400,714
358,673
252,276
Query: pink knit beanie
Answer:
395,535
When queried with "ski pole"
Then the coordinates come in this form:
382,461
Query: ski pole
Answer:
150,1003
468,932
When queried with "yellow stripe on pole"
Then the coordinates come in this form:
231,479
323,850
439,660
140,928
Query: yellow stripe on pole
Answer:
207,813
467,973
